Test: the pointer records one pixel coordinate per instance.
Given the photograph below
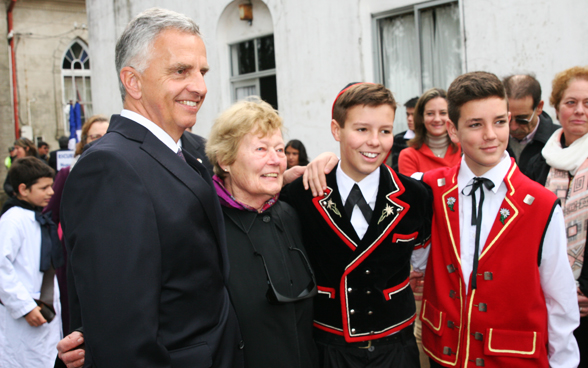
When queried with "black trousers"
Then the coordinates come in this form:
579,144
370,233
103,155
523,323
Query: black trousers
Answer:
398,350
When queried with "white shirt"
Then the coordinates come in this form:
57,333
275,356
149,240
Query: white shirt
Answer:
153,128
557,280
22,345
369,189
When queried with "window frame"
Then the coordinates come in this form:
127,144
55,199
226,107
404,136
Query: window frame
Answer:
252,78
72,73
416,10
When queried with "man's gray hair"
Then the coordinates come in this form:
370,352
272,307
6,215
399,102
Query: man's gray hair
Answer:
134,45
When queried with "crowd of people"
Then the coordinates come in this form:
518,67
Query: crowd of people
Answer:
157,248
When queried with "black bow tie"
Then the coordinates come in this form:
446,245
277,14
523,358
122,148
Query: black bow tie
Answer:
356,198
479,183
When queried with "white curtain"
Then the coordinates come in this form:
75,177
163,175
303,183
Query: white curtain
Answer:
400,62
440,46
243,92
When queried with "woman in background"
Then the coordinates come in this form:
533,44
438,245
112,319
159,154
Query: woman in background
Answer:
296,154
431,147
563,168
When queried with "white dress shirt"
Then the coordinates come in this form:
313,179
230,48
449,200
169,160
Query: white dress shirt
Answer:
369,189
153,128
557,280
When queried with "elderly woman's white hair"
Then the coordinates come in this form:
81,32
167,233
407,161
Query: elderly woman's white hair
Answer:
249,116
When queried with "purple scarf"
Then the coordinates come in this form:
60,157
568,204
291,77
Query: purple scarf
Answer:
227,200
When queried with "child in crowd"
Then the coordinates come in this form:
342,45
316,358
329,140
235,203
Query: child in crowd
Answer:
360,236
30,322
499,291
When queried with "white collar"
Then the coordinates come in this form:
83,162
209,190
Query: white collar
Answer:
153,128
495,174
368,185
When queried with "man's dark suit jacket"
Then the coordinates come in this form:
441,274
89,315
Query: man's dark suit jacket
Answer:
147,255
533,148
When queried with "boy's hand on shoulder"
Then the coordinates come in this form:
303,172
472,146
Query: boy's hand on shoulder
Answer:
315,176
34,318
293,173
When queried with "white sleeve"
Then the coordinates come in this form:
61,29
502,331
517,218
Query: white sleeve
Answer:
13,293
559,288
419,258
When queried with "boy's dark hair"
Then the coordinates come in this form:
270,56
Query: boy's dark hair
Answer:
412,102
366,94
470,87
27,171
42,144
63,142
521,86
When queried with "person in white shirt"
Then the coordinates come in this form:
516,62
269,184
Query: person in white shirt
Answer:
30,317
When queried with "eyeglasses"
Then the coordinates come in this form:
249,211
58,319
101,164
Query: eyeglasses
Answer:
95,136
522,121
275,297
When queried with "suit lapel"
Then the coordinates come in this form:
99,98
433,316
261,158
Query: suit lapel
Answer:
450,214
190,173
331,209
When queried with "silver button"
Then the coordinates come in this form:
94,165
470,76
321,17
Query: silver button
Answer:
349,290
352,311
370,313
266,218
372,332
368,292
367,272
353,330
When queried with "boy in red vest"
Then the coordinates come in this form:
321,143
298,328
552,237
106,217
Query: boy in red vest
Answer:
499,291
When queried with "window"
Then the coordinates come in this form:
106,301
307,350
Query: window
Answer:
75,72
253,70
419,47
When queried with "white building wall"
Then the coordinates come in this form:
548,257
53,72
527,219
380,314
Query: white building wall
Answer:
322,45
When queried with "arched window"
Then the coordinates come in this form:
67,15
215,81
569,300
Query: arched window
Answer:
76,76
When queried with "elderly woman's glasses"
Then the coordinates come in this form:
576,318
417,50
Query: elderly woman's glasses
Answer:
275,297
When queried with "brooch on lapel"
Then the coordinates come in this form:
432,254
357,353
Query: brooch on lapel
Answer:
331,206
385,213
450,203
504,213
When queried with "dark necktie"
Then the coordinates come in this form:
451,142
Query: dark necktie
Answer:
181,154
51,251
356,198
479,183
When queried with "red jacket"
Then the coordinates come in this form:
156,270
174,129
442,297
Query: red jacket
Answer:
495,325
422,160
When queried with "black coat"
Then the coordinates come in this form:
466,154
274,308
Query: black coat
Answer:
363,283
275,335
147,260
533,148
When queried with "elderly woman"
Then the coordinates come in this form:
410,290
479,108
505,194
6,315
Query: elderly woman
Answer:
270,282
431,147
563,168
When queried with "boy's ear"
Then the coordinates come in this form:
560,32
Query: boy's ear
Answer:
130,78
23,191
452,131
336,130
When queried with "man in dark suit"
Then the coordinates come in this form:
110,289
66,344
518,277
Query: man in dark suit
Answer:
142,223
530,126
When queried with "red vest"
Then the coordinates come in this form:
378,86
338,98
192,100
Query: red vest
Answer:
502,323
